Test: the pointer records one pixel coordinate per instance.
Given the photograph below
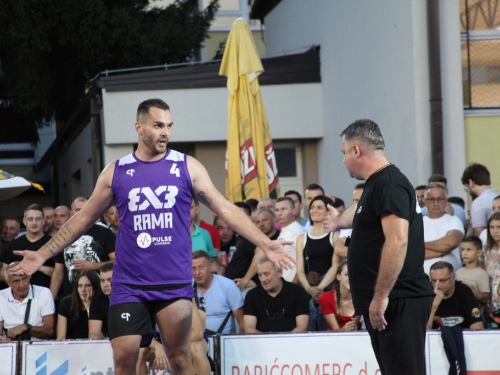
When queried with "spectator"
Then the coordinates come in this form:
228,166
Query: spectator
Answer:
450,208
492,258
315,249
340,238
245,207
495,207
494,317
61,216
454,303
276,305
336,305
252,203
312,190
243,266
89,252
218,296
420,193
211,229
472,274
458,201
111,218
99,306
476,181
20,300
290,231
268,203
73,311
201,240
442,232
32,240
339,205
297,201
9,230
49,224
227,235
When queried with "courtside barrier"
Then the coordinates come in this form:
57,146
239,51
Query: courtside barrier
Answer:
314,353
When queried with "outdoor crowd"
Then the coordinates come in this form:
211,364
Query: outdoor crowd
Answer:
237,289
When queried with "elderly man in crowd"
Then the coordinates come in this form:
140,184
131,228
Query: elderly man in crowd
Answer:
276,305
218,296
442,232
20,300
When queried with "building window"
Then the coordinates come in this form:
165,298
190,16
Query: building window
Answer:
480,36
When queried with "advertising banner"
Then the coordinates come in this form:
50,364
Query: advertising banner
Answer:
93,357
8,357
298,354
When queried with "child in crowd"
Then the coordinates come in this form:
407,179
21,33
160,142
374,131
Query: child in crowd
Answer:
472,274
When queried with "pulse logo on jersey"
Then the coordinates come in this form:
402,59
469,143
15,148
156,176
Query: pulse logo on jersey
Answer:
143,240
144,198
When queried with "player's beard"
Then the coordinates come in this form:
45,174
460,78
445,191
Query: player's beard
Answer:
153,146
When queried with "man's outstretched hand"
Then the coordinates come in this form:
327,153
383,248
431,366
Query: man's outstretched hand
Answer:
30,264
277,254
330,223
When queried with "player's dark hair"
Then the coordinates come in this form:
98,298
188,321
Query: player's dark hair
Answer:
144,107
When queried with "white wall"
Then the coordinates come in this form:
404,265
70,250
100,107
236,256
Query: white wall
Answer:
200,115
374,64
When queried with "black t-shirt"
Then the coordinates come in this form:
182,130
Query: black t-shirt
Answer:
227,246
94,246
277,314
76,329
387,191
22,243
320,253
99,308
460,309
242,259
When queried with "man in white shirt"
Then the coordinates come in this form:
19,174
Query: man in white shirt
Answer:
442,232
290,230
477,182
14,302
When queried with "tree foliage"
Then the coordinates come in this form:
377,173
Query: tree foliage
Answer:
50,49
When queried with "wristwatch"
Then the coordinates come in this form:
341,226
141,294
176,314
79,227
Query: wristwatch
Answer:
28,327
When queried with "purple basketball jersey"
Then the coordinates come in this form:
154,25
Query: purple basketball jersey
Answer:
153,245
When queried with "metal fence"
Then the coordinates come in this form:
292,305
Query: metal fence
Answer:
480,35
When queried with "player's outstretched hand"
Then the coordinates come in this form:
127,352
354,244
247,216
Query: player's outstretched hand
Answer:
330,223
31,263
277,254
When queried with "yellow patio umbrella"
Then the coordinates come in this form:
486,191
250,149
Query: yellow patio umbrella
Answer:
11,185
251,170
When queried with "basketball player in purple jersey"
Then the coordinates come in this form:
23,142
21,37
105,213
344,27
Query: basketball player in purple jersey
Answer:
153,188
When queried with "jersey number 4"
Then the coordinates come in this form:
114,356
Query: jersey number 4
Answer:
175,170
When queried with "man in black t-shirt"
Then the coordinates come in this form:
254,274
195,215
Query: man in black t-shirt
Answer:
243,266
276,305
32,240
386,253
89,252
99,306
455,303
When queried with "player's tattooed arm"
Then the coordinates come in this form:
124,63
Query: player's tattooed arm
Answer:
204,198
60,240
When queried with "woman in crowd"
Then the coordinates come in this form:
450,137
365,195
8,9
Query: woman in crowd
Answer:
73,311
315,250
492,258
336,305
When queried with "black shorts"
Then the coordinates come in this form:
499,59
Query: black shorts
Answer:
135,318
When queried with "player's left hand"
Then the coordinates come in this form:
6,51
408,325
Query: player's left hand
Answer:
377,310
277,254
82,265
